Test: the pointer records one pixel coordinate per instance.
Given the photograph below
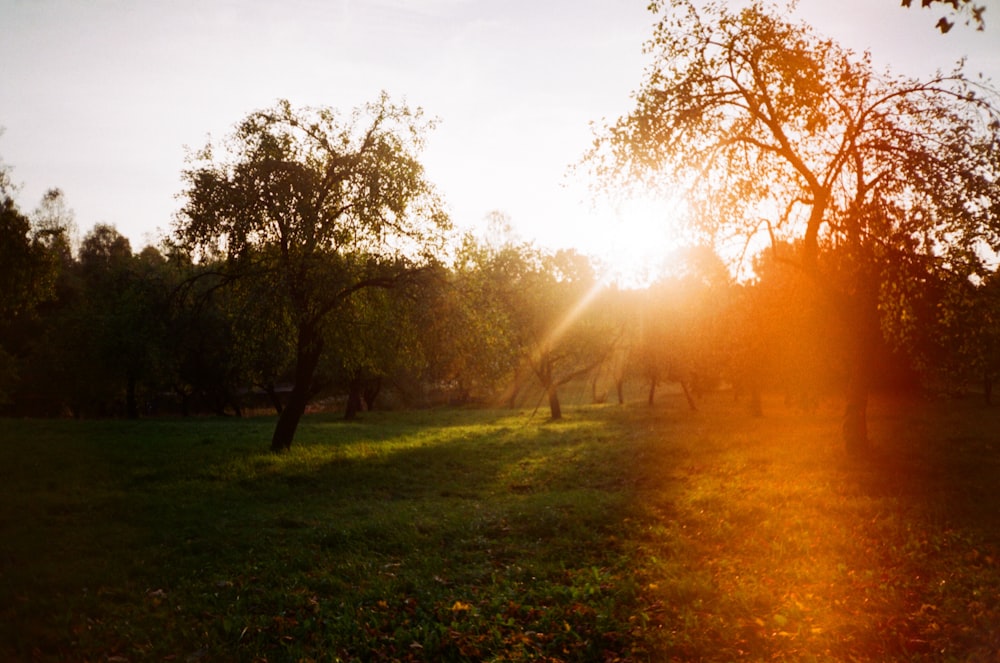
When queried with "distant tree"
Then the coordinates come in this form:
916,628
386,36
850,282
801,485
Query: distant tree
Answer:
777,134
263,344
75,359
787,336
375,343
949,327
616,311
119,321
210,337
680,337
28,272
559,335
981,339
103,252
26,275
471,339
54,225
318,207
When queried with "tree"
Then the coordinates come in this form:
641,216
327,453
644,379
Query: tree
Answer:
27,277
216,338
948,327
784,334
318,207
470,330
119,324
53,224
28,271
373,340
680,337
777,134
263,348
559,335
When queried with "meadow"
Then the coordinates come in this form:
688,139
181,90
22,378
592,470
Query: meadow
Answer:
622,533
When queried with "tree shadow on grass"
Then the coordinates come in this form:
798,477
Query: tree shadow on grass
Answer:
935,535
465,535
368,535
942,454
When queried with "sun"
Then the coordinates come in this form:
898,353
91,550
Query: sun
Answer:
634,238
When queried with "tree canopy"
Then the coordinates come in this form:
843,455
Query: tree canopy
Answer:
319,206
777,134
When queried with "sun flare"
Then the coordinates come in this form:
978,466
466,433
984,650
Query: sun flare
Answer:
634,238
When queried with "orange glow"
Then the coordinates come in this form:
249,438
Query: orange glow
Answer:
634,237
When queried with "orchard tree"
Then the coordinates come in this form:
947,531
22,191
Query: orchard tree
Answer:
948,327
559,333
318,206
777,134
373,339
784,333
214,339
680,333
470,331
264,347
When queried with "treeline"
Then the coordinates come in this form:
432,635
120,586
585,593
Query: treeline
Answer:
96,329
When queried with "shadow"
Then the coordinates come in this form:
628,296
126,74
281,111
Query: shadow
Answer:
654,530
943,454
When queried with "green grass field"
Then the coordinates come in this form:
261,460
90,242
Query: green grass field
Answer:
622,533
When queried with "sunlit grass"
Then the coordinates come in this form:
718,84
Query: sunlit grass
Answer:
793,551
622,533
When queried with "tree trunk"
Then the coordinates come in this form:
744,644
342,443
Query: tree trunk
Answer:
310,347
555,409
652,392
234,400
620,389
510,396
185,401
370,392
131,404
855,425
354,394
864,318
689,397
272,395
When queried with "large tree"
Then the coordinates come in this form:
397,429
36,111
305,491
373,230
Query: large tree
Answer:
319,206
776,133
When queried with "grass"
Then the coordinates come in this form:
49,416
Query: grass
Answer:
618,534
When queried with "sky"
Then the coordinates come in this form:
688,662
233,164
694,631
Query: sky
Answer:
101,98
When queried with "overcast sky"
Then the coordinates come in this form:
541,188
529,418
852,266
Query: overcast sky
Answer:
100,97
